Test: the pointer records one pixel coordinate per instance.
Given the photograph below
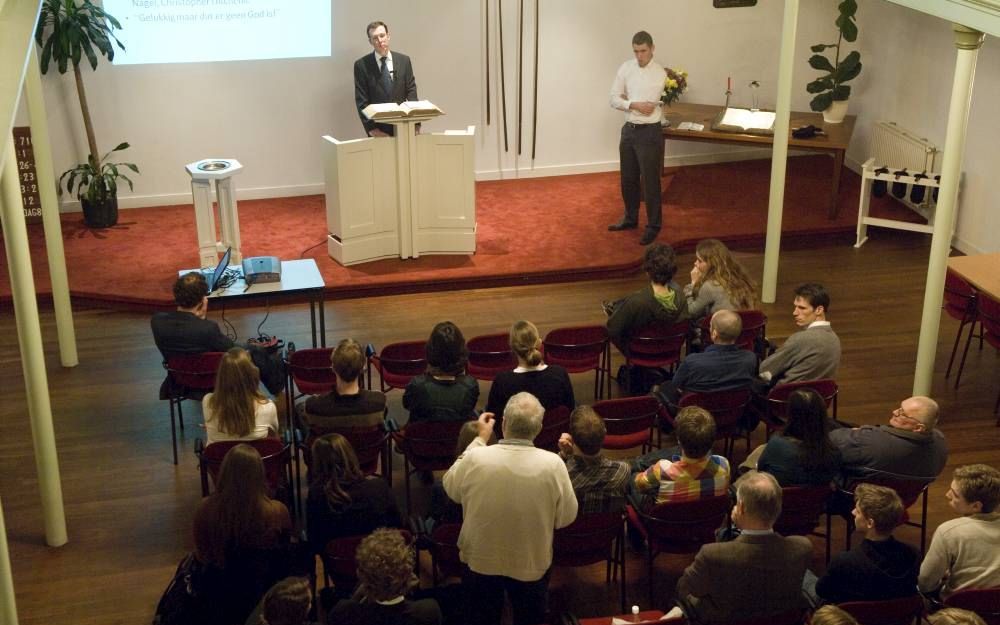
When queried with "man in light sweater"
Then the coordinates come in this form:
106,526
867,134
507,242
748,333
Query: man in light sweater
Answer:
812,354
965,552
514,496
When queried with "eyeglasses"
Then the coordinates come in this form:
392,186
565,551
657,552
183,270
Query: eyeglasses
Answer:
900,413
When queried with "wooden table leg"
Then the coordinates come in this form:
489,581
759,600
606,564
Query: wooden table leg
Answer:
838,166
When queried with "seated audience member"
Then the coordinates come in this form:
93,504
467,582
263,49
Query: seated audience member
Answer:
802,453
385,577
811,354
347,405
831,615
660,301
236,410
599,483
186,331
722,366
880,567
286,603
242,535
549,383
909,447
955,616
718,281
514,496
755,575
443,509
695,474
965,552
445,392
343,501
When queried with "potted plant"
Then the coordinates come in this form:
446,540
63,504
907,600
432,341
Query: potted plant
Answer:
831,92
68,32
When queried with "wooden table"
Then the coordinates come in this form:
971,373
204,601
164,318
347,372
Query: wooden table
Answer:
980,270
838,136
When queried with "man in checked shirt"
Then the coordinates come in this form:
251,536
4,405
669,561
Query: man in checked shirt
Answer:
599,483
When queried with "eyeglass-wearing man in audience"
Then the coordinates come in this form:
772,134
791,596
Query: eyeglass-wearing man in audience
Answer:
755,575
599,483
965,552
813,353
514,496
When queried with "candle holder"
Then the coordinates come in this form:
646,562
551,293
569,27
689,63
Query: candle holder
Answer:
754,86
728,93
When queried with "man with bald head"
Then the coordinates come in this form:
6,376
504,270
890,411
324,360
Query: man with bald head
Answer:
909,447
722,366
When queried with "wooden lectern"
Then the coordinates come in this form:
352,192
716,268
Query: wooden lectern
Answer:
403,196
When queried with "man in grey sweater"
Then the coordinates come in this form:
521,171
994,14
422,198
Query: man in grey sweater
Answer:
812,354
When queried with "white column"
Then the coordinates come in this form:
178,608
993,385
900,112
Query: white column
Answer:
229,217
204,219
29,334
50,214
779,156
968,42
8,609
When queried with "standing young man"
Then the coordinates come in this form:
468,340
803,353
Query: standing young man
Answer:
636,90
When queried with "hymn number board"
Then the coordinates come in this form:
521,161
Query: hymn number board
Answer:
26,174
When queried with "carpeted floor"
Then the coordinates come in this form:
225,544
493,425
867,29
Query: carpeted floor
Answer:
530,230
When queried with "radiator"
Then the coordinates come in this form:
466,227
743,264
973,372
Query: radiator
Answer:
897,148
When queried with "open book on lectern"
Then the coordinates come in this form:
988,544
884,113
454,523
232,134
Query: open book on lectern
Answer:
391,110
745,121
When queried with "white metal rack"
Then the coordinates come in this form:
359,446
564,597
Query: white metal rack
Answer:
925,208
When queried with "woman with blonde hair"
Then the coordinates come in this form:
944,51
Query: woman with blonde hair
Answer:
718,281
342,500
237,410
549,383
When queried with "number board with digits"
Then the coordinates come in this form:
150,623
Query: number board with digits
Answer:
26,174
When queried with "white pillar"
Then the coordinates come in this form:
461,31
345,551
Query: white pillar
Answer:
779,156
229,217
8,609
968,42
29,334
204,218
50,214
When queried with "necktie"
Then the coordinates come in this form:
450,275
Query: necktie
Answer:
385,78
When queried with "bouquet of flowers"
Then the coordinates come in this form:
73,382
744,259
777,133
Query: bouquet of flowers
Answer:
673,85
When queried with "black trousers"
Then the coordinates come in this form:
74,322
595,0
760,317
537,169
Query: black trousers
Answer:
485,594
641,154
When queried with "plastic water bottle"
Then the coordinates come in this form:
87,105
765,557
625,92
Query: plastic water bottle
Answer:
635,614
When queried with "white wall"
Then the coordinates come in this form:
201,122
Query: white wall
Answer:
270,114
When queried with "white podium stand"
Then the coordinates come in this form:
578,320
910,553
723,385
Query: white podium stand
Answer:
203,173
405,196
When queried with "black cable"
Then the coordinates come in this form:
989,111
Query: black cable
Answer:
267,313
302,254
230,328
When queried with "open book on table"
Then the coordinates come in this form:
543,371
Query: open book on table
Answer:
745,121
391,110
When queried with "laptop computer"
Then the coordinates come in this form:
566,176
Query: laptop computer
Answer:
214,277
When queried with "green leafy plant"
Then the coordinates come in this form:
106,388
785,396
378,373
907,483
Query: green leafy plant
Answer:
68,32
830,87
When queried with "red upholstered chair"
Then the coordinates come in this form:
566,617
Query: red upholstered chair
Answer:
681,527
754,327
983,601
489,355
426,446
191,377
275,454
801,507
370,443
989,315
592,538
579,349
909,490
340,562
658,345
960,302
905,611
442,543
629,421
310,371
397,364
554,423
727,408
775,416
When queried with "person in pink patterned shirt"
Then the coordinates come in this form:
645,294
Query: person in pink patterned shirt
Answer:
696,473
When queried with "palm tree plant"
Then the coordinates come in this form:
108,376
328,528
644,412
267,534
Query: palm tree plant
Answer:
69,31
830,87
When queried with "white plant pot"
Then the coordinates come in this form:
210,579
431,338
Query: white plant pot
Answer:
836,112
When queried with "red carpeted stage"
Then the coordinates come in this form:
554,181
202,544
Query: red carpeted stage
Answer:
529,231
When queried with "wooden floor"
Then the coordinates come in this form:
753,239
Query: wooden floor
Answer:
129,509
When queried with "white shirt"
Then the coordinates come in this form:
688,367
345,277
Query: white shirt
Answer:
265,422
638,84
388,62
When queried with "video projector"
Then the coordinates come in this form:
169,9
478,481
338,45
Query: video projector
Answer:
261,269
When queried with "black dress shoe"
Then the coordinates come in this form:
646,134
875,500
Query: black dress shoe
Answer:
622,225
649,236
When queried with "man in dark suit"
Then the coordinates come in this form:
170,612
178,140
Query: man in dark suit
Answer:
756,575
380,77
